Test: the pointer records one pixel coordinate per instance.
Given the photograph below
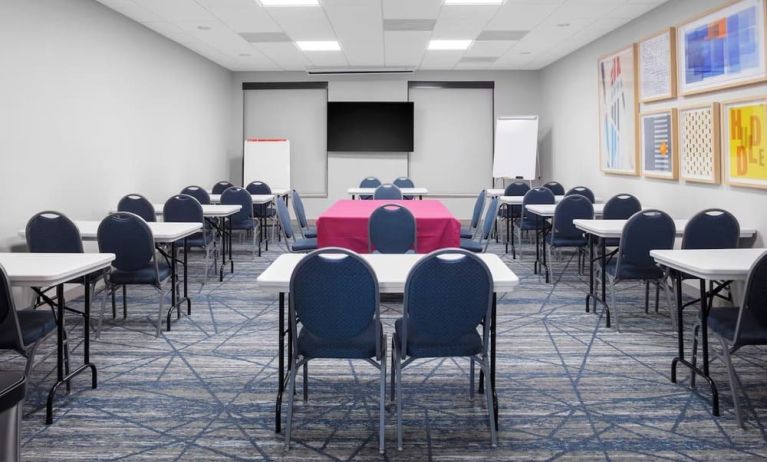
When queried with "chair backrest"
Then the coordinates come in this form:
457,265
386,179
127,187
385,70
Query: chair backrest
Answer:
370,182
138,205
479,204
52,232
711,229
235,195
284,217
198,193
391,229
183,208
621,207
517,188
571,208
298,209
582,191
489,221
334,292
404,182
128,237
10,331
540,195
221,186
387,192
447,294
755,299
555,187
645,231
258,187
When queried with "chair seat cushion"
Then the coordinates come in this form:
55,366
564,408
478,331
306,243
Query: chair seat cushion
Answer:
363,345
144,275
723,320
529,224
420,346
35,324
471,245
197,240
565,241
247,223
632,271
304,244
467,233
263,211
310,232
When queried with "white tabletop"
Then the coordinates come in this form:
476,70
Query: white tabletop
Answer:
614,228
50,269
517,200
405,191
547,210
498,192
391,270
162,231
208,210
257,198
710,264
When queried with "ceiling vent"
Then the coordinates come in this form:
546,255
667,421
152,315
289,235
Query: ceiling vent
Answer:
358,70
409,25
493,35
265,37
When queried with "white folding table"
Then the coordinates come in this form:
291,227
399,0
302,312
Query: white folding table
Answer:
38,270
391,272
257,198
420,192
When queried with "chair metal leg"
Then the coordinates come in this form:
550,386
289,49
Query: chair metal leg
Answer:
392,386
613,306
734,380
471,378
305,382
647,297
159,312
398,380
103,306
382,402
291,394
671,307
125,302
694,358
114,305
657,295
489,398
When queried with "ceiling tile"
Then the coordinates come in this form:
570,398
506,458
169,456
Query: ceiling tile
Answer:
286,55
521,16
130,9
405,48
462,22
411,9
440,59
176,10
358,25
489,48
308,23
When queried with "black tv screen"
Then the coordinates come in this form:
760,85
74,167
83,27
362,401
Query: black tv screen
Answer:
370,126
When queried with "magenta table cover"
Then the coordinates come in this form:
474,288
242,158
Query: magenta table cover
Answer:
345,224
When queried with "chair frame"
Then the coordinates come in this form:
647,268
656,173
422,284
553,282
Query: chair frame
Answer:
414,245
211,248
387,187
256,230
285,231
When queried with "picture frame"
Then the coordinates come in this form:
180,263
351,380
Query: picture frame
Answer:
658,149
656,66
699,141
744,156
704,66
618,110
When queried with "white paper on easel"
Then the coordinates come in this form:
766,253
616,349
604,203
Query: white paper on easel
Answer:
516,147
267,160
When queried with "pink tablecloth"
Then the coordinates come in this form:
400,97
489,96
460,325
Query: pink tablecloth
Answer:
345,224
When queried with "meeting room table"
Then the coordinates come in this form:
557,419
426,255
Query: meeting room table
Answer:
391,272
40,270
357,192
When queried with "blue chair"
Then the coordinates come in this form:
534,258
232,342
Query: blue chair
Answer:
448,295
137,205
392,229
242,220
298,209
221,186
527,222
736,328
644,231
479,204
405,182
480,244
582,191
264,213
293,244
387,192
183,208
711,229
555,188
334,298
198,193
369,182
128,237
563,232
620,207
512,212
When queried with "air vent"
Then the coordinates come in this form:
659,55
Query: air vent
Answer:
265,37
496,35
406,25
478,59
358,71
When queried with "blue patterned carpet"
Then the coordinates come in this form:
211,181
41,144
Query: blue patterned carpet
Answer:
569,388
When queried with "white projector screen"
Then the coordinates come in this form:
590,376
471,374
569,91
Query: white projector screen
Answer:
516,147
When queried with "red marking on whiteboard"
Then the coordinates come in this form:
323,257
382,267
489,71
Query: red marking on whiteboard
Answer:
261,140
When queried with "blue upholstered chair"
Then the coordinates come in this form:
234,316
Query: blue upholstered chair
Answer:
555,188
334,299
184,208
527,222
137,205
221,186
298,209
405,182
448,295
480,243
563,232
392,229
198,193
128,237
264,213
242,220
620,207
644,231
479,204
369,182
711,229
582,191
293,244
736,328
387,192
512,212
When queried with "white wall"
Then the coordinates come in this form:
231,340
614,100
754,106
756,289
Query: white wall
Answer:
94,106
516,92
570,129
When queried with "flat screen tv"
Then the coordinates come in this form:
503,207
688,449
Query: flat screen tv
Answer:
370,126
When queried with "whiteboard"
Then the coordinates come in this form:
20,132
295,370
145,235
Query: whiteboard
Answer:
516,147
267,160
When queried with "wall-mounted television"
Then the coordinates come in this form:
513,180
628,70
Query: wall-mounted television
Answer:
370,126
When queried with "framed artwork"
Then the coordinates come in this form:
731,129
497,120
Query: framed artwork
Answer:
723,48
618,112
744,142
658,144
656,66
699,144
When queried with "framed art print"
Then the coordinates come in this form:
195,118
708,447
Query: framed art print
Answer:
656,66
657,148
723,48
744,142
699,145
618,112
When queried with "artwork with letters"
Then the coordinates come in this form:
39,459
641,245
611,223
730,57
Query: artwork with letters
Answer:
658,144
617,112
657,67
699,147
744,133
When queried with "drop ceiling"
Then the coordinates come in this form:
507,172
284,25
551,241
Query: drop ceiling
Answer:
243,35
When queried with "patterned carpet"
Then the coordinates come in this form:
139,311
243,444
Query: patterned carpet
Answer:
569,388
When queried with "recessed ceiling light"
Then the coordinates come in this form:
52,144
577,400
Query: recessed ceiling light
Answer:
449,44
473,2
269,3
203,27
319,45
